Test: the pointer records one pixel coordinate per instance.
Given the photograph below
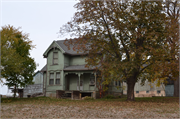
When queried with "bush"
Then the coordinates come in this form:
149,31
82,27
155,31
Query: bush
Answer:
88,98
109,97
6,100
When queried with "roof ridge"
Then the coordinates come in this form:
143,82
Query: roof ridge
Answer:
60,40
60,46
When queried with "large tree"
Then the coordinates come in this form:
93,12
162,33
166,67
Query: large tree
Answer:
172,11
126,39
17,67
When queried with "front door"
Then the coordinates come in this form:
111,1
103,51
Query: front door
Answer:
81,84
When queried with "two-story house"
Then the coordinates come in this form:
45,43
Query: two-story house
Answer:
65,71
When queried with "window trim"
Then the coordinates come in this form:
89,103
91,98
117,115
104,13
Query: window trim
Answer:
51,79
58,78
55,58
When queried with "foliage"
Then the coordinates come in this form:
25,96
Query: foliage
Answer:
88,98
172,11
125,40
16,64
109,97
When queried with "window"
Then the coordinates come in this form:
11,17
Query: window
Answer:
137,91
58,78
92,79
117,83
158,91
147,91
51,79
55,57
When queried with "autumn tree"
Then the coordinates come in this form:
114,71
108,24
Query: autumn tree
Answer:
172,11
125,40
17,67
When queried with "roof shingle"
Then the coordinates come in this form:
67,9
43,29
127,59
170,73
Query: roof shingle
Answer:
68,51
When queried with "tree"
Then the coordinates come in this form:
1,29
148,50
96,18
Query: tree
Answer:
172,11
17,67
125,40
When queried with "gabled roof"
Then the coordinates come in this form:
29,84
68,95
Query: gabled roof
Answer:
37,72
64,49
44,68
68,51
53,45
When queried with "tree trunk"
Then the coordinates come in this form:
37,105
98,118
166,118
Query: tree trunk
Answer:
14,91
130,90
176,87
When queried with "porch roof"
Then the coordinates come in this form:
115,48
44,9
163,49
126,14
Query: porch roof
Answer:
78,68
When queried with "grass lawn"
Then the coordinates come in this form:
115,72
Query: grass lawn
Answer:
45,107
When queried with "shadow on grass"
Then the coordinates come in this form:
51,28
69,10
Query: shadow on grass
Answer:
34,99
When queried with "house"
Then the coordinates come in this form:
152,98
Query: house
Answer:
10,92
65,73
36,88
147,90
169,88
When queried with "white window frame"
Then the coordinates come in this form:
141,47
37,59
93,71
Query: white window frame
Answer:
58,78
50,78
54,58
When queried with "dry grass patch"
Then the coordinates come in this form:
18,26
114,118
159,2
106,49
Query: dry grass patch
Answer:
43,107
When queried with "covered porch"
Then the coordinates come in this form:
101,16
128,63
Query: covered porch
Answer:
85,81
80,80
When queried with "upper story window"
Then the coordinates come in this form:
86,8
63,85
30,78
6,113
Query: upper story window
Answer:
51,79
92,79
55,57
117,83
58,78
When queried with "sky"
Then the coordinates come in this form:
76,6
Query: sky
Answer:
41,19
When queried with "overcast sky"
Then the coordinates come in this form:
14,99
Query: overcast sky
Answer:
41,19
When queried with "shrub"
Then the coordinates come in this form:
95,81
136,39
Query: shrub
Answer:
109,97
6,100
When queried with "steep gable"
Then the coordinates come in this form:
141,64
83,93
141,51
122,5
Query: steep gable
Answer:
53,45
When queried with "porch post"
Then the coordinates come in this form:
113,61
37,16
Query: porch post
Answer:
79,75
65,81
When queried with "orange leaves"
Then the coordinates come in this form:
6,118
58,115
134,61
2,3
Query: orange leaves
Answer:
123,38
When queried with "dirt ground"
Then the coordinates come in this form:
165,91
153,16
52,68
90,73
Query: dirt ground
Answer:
89,109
